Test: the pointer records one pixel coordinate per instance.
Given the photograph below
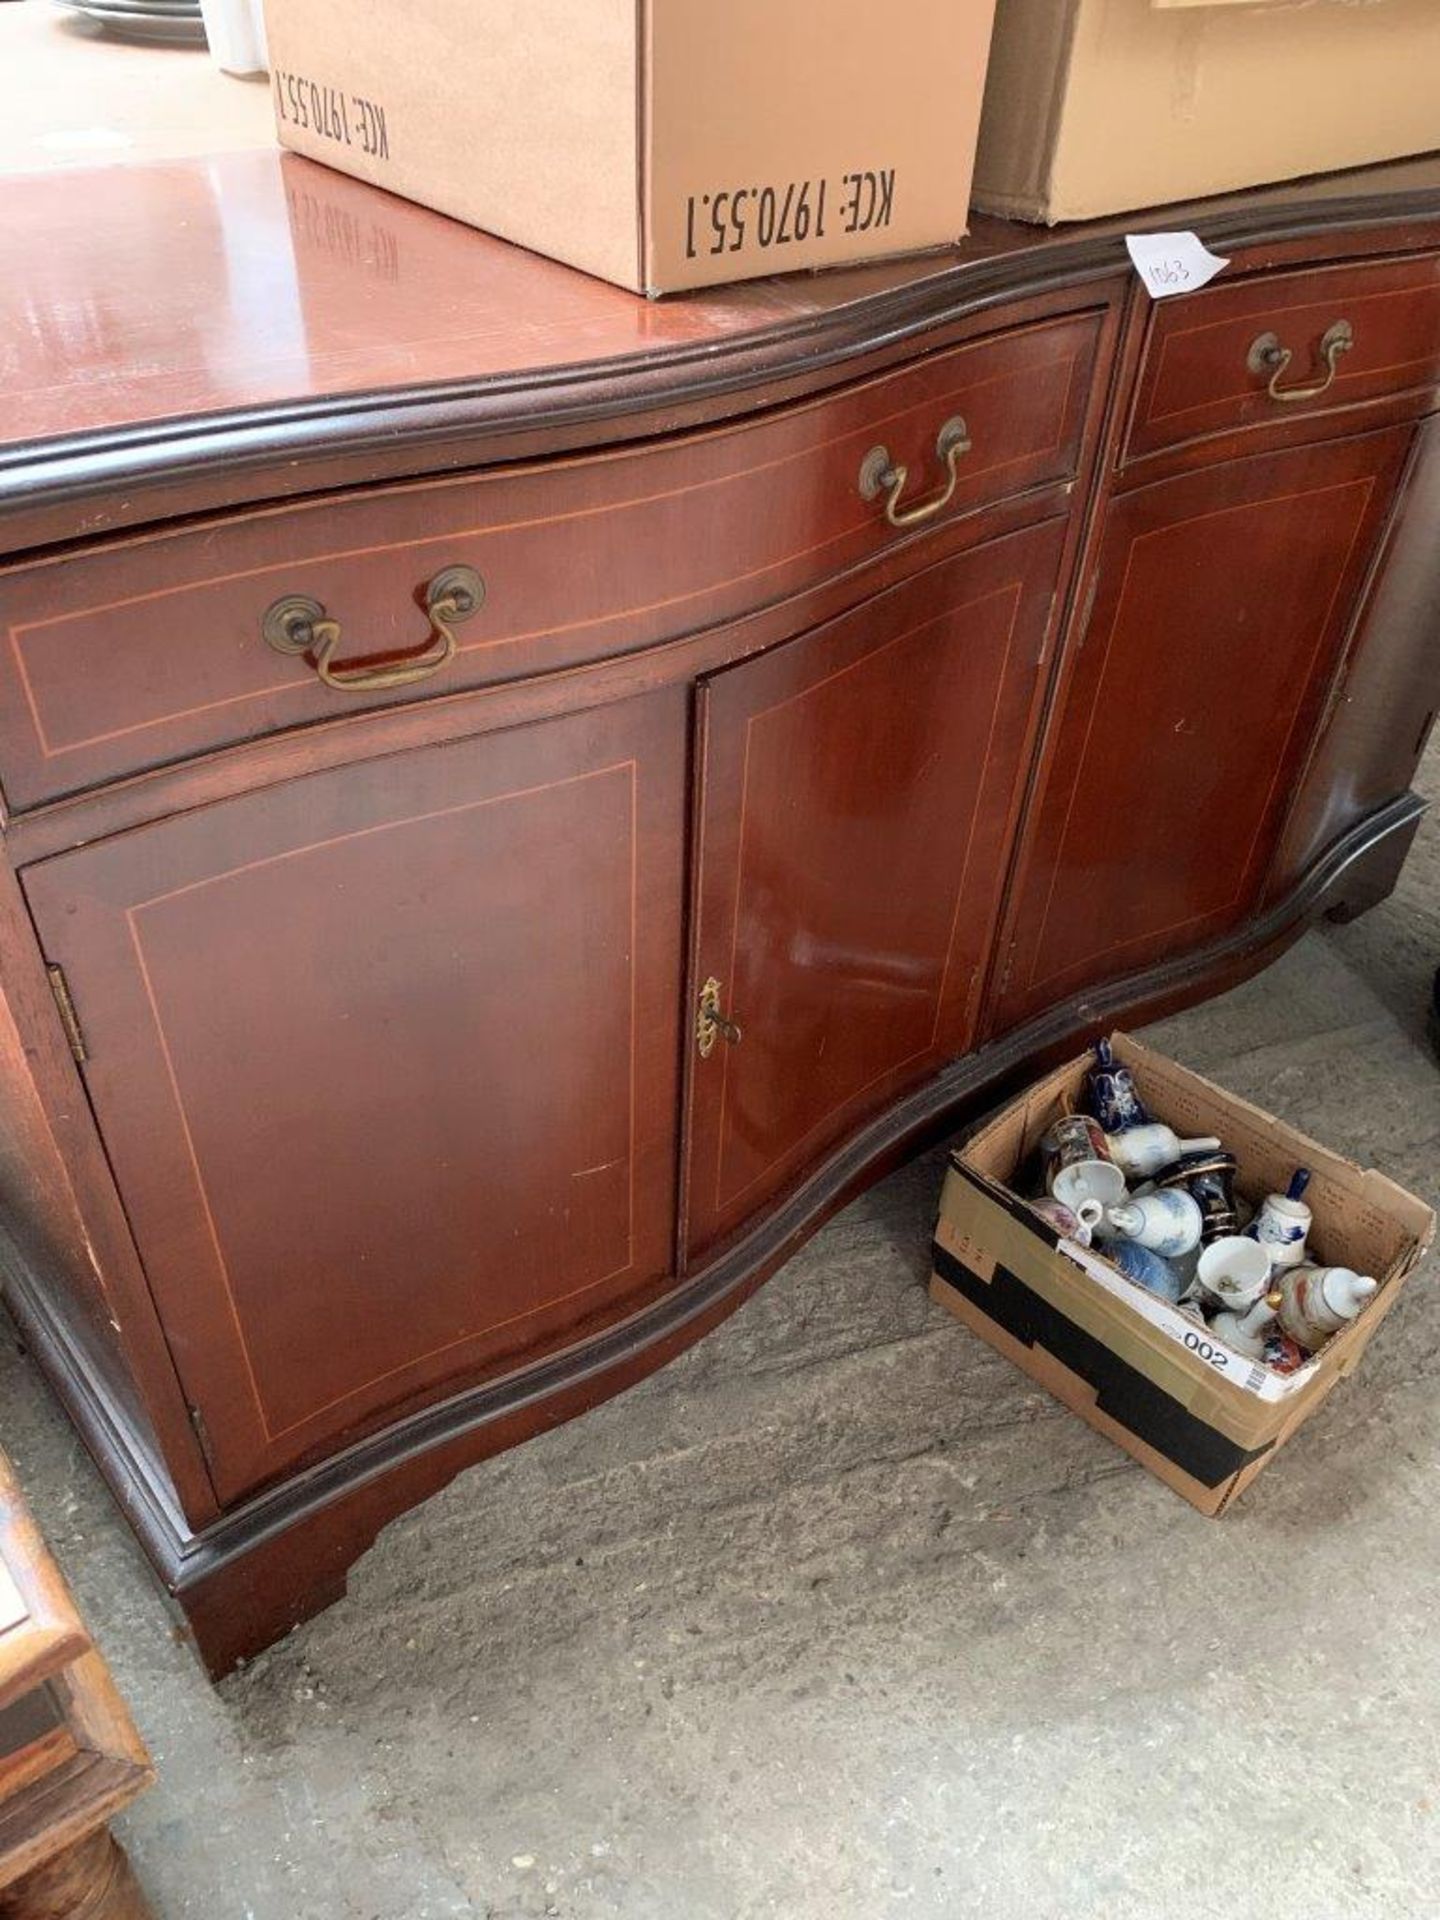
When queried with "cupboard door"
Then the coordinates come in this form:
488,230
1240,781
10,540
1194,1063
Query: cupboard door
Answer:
1221,604
1379,720
857,794
385,1061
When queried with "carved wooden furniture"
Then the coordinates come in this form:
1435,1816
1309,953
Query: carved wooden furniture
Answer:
520,800
70,1758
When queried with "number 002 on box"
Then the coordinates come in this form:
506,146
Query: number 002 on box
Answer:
662,144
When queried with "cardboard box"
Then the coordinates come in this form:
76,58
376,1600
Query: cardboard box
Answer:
1101,106
661,144
1200,1416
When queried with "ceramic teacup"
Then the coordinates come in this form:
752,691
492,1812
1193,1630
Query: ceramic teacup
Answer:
1094,1180
1235,1271
1077,1224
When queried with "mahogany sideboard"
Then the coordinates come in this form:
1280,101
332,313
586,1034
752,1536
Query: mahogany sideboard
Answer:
518,801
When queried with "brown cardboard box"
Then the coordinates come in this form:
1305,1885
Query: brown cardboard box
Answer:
1100,106
661,144
1201,1417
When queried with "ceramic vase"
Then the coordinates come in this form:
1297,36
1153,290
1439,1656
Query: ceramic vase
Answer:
1110,1093
1140,1152
1210,1179
1073,1137
1147,1268
1168,1222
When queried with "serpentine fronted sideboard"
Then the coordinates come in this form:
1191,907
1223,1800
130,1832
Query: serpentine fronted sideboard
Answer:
518,801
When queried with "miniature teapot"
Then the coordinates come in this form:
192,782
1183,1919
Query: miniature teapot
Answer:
1317,1302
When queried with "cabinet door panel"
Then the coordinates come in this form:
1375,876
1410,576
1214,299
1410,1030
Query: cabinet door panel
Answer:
857,789
1222,602
1376,731
385,1061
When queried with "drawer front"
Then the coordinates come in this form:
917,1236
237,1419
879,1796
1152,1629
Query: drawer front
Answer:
146,652
1213,363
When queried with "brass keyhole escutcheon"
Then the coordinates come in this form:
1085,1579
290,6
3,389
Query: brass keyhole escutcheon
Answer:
710,1023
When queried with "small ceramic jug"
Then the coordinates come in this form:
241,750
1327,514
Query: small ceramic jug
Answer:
1234,1272
1247,1332
1210,1177
1283,1222
1317,1301
1077,1224
1110,1093
1168,1222
1149,1269
1086,1180
1142,1151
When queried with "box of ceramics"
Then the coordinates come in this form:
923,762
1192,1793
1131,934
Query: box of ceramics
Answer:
1180,1268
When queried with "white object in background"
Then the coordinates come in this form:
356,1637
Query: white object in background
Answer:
1171,263
236,32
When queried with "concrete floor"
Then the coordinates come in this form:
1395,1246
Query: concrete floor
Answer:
840,1617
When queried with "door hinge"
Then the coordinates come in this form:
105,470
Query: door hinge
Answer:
69,1019
202,1434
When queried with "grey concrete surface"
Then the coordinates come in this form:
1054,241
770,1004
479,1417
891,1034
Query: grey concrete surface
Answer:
840,1617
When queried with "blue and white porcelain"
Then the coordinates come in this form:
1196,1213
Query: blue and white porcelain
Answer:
1283,1223
1167,1221
1110,1093
1141,1151
1147,1269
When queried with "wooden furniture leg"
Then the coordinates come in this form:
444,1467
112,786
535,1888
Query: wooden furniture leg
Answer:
90,1881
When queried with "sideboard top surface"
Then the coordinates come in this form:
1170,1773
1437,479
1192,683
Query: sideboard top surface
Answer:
238,309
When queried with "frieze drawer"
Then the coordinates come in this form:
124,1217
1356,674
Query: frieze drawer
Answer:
1268,349
147,651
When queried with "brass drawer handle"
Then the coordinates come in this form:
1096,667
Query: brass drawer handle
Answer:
296,624
879,474
710,1022
1268,356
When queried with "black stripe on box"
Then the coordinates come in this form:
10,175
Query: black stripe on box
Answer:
1121,1390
